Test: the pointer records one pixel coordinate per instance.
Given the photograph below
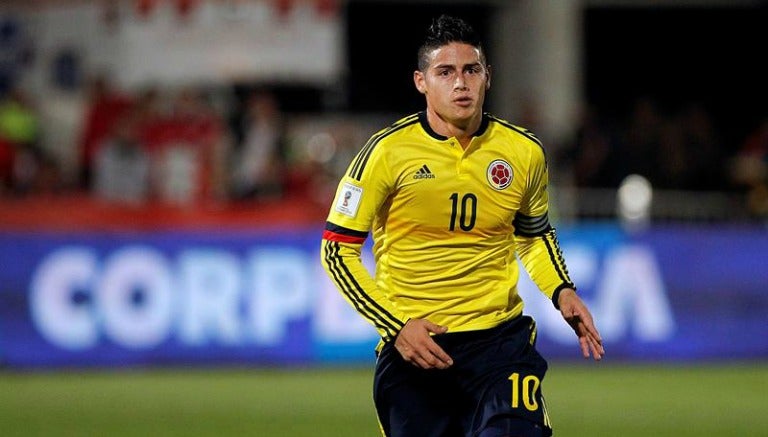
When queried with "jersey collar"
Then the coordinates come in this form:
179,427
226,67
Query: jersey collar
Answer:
428,129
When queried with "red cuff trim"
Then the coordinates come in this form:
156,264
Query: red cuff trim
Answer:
333,236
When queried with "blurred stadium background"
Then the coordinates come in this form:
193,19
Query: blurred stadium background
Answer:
166,165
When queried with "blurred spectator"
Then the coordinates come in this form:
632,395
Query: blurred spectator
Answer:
672,157
7,157
259,164
106,106
593,154
680,152
642,141
691,154
185,146
17,51
62,114
121,166
704,153
749,170
203,127
31,169
19,122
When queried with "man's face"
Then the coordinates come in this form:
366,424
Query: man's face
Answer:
455,82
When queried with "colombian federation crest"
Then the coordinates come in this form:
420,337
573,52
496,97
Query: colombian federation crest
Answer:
499,174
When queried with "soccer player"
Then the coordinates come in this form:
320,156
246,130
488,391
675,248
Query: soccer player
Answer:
452,195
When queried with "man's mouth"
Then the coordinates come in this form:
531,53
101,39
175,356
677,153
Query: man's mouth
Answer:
463,101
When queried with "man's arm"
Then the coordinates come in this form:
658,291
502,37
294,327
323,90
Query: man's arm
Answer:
340,256
539,250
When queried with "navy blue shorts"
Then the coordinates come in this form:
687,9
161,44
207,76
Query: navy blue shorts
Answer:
492,389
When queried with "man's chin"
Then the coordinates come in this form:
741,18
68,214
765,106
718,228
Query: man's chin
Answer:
462,113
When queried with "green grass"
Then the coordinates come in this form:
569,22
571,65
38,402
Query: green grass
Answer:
584,400
623,401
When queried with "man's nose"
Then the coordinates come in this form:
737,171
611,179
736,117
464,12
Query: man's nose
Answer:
460,83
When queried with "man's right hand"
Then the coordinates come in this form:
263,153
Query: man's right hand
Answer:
417,347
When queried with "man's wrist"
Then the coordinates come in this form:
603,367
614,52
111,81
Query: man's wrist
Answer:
559,291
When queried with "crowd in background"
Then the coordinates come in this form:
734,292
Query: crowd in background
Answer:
682,149
157,145
179,147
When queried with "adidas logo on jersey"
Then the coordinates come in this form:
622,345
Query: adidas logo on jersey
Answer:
424,173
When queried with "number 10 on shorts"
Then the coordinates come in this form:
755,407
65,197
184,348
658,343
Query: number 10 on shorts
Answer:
529,386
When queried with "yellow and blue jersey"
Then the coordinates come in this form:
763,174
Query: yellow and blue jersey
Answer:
447,225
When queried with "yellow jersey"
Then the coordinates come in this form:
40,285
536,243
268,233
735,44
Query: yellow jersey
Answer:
447,225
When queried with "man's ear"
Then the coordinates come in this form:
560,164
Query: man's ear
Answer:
488,77
418,80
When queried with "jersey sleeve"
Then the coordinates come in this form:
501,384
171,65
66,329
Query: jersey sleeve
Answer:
536,240
360,194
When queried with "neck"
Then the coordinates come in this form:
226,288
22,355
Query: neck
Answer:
461,129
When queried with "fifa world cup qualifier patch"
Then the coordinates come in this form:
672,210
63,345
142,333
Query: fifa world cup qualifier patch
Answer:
499,174
348,200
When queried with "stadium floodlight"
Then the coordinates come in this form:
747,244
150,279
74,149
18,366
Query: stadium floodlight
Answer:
634,199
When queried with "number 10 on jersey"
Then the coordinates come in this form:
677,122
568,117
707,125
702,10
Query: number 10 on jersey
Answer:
467,213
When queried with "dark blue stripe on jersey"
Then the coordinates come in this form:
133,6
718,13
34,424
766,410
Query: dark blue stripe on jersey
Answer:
528,134
345,231
366,306
361,160
333,261
555,255
362,153
525,132
528,226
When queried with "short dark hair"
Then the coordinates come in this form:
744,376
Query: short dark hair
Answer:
443,31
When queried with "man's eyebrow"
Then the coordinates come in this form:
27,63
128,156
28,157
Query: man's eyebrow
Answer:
444,66
473,64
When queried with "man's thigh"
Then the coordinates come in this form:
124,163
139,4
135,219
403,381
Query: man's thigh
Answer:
506,374
413,402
